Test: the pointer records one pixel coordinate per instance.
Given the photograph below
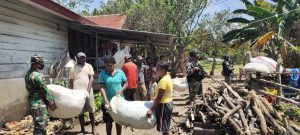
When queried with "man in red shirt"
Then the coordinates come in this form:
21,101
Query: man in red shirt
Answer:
131,72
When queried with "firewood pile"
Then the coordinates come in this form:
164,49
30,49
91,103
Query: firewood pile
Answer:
240,110
25,127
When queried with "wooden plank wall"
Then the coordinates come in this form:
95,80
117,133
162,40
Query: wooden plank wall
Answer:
24,31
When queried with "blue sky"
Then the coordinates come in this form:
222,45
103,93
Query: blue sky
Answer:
219,5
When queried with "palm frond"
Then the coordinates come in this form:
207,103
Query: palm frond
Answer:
263,40
238,20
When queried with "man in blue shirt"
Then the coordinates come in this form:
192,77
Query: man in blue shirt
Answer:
112,82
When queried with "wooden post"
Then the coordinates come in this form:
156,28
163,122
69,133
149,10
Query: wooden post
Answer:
248,57
279,62
97,53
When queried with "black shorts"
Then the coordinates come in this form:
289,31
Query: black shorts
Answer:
163,116
129,94
106,116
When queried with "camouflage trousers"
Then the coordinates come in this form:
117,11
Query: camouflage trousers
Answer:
228,79
40,117
195,88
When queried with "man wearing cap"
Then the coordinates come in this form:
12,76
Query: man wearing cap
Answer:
131,72
81,77
227,69
142,91
195,75
39,98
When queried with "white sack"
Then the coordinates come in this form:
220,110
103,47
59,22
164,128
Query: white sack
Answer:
69,102
268,62
119,56
256,67
180,84
132,113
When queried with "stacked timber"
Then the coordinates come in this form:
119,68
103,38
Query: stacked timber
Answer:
239,110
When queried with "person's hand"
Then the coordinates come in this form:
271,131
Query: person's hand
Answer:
149,113
120,92
107,107
196,68
52,106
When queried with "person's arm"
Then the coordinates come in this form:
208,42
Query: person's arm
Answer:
102,90
91,79
71,78
71,83
124,87
125,83
41,84
156,102
191,69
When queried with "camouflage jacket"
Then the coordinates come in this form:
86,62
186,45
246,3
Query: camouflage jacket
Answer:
195,76
36,87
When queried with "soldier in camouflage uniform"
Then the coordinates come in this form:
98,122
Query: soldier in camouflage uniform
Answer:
39,96
195,75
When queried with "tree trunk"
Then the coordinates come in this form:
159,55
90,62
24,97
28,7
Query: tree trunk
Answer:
215,52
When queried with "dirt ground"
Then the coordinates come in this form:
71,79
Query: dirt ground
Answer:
179,101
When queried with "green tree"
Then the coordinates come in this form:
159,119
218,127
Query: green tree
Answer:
208,36
176,17
75,5
271,23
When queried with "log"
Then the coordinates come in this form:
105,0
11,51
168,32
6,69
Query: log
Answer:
222,108
288,127
279,129
296,128
282,98
241,113
238,122
263,123
279,85
203,117
228,114
270,108
236,128
220,99
236,95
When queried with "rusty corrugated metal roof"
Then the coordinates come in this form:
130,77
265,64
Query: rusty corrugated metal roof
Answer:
110,21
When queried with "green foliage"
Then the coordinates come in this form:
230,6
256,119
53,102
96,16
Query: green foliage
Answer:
60,82
291,110
75,5
98,101
238,20
277,16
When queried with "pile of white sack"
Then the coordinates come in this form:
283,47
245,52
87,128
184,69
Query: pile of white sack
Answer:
180,84
132,113
69,102
119,56
261,64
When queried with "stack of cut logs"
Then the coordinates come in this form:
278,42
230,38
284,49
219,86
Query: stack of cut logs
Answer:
241,110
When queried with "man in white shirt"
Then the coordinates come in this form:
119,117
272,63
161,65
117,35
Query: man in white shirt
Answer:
81,77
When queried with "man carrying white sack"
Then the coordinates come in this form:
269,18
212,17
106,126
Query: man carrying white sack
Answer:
81,77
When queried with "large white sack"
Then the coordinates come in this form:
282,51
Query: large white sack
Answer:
132,113
180,84
268,62
69,102
256,67
119,56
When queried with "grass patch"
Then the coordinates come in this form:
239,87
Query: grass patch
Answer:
207,67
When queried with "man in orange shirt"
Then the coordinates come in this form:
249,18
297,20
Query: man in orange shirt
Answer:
131,72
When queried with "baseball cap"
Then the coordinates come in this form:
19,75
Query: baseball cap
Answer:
81,54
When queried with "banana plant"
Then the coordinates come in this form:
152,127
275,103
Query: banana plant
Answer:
269,22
